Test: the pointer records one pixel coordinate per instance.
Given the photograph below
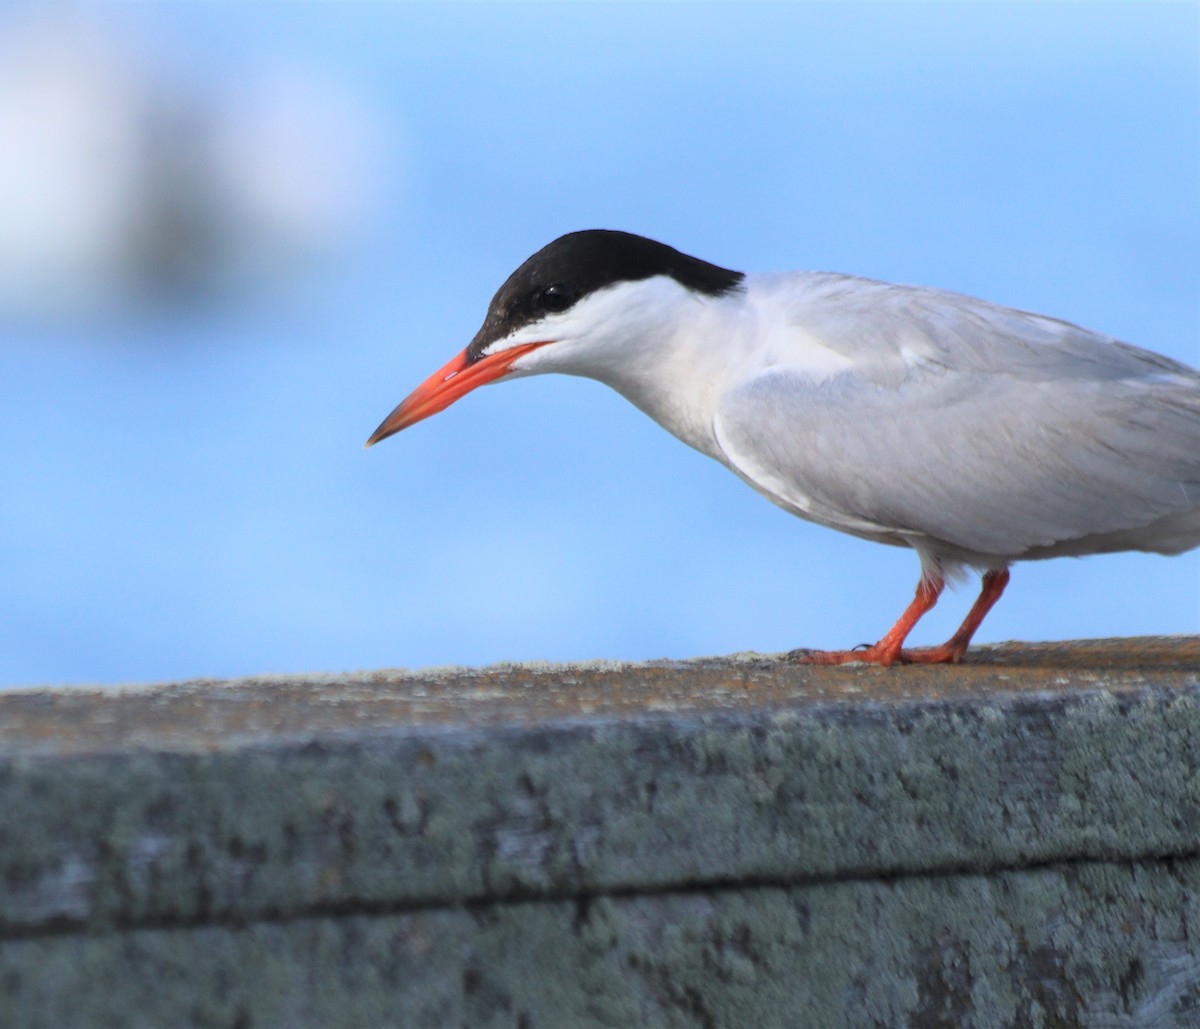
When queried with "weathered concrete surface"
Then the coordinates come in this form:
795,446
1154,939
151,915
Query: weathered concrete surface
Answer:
722,842
1093,944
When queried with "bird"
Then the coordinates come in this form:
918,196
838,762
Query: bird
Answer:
975,434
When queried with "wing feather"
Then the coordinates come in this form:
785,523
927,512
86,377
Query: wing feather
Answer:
987,433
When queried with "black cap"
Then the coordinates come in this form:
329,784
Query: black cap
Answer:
579,263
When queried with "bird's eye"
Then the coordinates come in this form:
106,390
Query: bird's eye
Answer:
557,297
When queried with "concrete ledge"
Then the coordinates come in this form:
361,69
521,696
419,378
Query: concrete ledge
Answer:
718,842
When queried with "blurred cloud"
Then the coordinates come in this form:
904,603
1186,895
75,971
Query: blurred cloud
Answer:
128,185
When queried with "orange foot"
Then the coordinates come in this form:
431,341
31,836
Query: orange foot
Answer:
889,650
878,655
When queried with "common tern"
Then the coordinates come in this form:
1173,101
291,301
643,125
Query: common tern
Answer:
975,434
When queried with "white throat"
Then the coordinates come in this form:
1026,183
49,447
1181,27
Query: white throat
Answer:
663,347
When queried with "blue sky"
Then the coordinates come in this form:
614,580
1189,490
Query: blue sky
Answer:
185,491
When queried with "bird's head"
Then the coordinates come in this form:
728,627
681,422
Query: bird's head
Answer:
578,305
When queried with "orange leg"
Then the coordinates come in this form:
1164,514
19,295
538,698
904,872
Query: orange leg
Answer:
889,650
953,649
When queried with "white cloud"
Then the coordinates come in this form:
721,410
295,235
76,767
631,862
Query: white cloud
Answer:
123,185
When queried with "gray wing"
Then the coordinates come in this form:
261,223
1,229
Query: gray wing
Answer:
974,431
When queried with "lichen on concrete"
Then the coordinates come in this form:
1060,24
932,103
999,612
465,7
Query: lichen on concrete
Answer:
1094,944
717,842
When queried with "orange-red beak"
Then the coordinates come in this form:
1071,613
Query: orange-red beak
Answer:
453,380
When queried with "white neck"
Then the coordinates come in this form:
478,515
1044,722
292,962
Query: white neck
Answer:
663,347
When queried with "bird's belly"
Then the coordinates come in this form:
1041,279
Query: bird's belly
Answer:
797,503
